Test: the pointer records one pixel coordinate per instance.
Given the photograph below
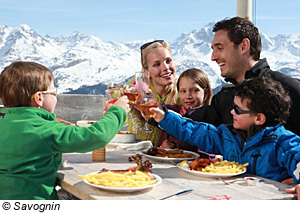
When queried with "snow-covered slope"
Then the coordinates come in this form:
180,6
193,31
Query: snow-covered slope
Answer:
85,64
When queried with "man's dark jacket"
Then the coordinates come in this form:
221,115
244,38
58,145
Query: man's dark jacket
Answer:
222,103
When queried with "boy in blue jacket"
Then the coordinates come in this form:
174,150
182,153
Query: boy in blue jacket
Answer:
257,135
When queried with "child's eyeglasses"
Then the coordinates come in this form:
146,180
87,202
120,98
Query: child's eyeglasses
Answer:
149,43
53,92
239,111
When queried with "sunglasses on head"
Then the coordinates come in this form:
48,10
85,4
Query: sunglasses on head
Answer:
149,43
239,111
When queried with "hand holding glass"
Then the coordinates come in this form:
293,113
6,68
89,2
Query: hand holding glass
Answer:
142,80
144,105
113,94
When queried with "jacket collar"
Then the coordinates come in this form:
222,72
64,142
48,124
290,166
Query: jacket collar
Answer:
254,135
183,110
157,97
261,68
258,134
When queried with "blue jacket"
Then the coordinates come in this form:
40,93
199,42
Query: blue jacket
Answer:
272,152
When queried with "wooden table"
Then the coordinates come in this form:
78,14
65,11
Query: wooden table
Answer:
173,180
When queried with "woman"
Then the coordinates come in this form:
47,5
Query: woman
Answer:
156,58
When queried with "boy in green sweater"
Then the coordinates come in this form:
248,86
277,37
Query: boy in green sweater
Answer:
32,141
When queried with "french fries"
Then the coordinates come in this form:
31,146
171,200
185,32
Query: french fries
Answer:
225,167
115,179
218,167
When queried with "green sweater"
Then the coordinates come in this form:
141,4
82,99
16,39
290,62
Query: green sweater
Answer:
32,143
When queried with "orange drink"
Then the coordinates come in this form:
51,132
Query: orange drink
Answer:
145,108
132,97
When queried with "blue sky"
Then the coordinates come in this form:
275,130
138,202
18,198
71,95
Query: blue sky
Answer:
128,20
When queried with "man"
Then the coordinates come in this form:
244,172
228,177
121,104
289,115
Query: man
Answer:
236,49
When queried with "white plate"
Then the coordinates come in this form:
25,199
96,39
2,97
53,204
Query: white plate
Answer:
125,189
209,175
171,159
124,138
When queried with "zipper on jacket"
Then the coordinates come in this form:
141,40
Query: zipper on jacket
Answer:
255,157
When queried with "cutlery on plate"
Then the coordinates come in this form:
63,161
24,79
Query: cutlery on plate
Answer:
177,194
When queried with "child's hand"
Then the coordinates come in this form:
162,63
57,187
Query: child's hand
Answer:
106,106
123,102
289,181
159,113
166,144
295,189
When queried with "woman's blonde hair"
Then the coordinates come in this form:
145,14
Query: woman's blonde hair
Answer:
20,80
173,94
201,79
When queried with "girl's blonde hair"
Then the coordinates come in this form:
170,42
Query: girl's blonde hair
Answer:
201,79
173,94
20,80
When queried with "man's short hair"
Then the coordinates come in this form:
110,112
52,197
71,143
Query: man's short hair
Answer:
239,28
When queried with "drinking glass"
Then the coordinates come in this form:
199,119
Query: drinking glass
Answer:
132,94
142,81
113,94
144,105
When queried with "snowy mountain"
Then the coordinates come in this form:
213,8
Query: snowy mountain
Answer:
86,64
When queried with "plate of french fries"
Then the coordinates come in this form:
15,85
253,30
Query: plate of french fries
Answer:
213,169
122,181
